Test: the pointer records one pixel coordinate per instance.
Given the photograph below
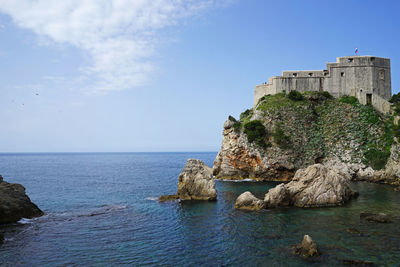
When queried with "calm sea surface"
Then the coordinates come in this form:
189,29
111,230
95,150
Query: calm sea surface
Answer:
101,210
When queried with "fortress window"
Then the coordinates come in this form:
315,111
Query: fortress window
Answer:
350,60
310,74
342,74
382,74
294,75
372,59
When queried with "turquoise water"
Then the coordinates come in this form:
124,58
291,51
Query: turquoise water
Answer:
101,211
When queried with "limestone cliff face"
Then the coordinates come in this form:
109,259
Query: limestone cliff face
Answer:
239,159
281,135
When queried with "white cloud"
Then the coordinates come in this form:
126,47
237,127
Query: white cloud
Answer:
119,35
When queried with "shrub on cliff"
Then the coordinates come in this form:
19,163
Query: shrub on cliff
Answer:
246,115
395,99
295,96
352,100
326,94
255,132
282,140
376,158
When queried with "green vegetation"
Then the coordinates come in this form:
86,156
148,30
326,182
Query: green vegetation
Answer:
395,99
352,100
255,132
246,115
282,140
320,126
326,94
295,95
376,158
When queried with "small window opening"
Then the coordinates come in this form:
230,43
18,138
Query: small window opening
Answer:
350,60
294,75
342,74
372,59
326,72
369,99
310,74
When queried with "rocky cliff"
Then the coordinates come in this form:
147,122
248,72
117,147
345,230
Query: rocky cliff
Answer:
15,204
287,132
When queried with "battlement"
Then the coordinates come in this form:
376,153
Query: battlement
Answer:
359,76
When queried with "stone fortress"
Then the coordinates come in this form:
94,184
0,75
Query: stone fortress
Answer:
365,77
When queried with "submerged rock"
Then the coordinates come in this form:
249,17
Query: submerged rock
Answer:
247,201
196,182
373,217
307,248
15,204
357,262
168,198
314,186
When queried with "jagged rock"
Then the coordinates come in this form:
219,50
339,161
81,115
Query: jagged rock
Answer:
307,248
391,172
314,186
277,196
1,239
373,217
168,198
15,204
247,201
239,159
196,182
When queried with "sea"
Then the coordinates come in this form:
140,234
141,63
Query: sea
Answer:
101,209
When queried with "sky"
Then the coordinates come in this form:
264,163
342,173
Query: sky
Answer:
163,75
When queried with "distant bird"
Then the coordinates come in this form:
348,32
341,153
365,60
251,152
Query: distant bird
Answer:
37,93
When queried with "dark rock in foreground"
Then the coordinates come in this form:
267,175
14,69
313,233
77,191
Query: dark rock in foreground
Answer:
196,182
307,248
15,204
1,239
379,217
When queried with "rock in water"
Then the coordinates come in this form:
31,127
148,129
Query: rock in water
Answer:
314,186
372,217
15,204
165,198
1,239
247,201
307,248
196,182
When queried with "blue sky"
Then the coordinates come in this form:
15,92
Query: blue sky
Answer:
163,75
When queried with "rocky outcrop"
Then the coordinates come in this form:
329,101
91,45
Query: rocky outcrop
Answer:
196,182
307,248
318,129
247,201
314,186
15,204
239,159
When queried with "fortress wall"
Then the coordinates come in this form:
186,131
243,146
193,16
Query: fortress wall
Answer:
381,104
